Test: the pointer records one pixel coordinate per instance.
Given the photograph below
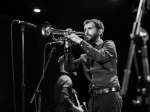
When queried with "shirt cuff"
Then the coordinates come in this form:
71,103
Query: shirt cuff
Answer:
85,46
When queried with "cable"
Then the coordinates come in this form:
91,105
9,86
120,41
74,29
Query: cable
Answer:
13,68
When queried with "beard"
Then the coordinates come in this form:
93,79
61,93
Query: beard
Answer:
92,38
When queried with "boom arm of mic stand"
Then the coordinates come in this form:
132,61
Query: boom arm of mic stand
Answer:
37,88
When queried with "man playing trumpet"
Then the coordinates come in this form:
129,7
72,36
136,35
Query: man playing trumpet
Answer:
99,64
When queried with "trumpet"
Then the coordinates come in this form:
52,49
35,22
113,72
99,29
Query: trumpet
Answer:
47,30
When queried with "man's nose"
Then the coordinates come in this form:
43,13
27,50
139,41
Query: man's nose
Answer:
86,32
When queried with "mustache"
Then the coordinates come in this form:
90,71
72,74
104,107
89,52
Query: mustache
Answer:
88,35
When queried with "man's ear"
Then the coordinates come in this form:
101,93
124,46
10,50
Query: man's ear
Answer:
100,31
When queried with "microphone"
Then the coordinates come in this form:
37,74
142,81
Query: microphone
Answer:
57,43
27,24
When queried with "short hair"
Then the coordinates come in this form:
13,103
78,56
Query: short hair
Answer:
98,23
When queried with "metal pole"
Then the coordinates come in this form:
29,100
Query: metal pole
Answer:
23,84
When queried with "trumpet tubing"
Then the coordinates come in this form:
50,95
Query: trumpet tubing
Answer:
47,30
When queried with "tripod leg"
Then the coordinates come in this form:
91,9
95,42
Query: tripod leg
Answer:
136,66
138,96
145,63
127,69
146,74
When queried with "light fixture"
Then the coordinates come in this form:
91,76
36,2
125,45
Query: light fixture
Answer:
37,10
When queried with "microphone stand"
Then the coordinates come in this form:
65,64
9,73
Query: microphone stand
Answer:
23,66
23,84
138,34
37,90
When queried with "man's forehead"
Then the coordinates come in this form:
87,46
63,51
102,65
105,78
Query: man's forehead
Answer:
90,24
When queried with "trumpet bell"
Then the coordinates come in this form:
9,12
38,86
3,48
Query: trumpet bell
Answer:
46,29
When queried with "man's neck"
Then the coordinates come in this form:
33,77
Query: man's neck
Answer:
99,41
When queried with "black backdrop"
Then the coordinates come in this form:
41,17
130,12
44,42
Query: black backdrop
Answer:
118,26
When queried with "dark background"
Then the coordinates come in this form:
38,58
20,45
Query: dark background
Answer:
118,19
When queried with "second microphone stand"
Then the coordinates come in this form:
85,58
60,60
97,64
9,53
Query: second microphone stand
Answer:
37,90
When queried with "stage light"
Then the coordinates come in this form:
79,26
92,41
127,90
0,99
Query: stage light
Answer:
37,10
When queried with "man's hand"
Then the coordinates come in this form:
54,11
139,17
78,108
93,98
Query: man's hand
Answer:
67,44
74,38
76,109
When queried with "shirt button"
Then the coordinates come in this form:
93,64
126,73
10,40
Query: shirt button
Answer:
87,51
92,85
92,75
81,45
